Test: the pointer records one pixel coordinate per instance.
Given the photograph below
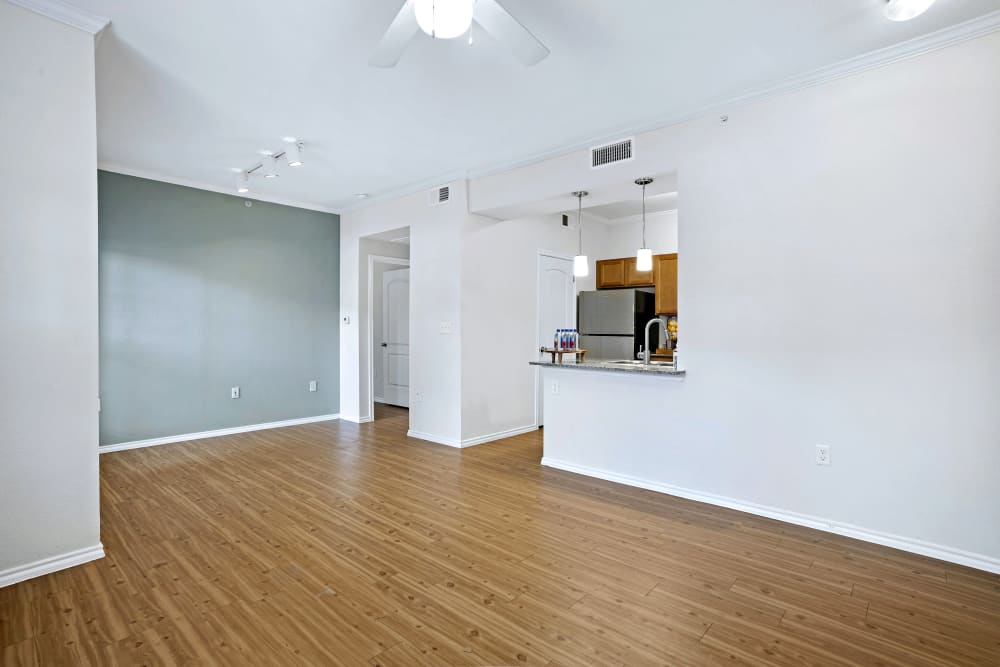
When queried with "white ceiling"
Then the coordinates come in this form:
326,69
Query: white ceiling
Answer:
189,90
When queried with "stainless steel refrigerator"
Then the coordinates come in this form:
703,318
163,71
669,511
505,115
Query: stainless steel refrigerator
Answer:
612,323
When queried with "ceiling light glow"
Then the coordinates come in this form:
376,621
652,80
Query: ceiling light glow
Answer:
444,19
904,10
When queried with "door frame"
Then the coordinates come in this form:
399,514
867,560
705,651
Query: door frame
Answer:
538,314
372,261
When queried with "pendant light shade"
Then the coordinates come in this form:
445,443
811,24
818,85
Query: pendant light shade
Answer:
444,19
644,256
644,260
581,266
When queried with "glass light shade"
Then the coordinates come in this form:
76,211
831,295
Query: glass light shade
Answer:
294,155
644,260
904,10
444,19
581,267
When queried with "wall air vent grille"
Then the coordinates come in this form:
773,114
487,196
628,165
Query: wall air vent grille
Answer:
619,151
439,195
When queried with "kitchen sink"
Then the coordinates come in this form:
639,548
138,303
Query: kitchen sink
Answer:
636,362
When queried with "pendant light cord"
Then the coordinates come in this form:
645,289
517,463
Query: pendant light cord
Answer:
579,222
643,215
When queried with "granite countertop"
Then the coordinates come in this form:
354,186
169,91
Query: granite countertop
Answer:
613,367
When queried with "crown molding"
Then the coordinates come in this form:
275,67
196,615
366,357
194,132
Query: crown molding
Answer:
173,180
950,36
65,13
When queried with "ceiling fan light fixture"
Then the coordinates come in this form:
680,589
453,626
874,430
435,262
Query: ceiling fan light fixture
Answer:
444,19
904,10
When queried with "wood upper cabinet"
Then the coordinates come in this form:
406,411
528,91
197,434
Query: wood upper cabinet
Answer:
665,281
635,278
621,272
610,273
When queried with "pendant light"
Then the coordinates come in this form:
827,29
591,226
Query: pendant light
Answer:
581,267
644,256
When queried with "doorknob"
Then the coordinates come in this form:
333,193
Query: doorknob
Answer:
385,344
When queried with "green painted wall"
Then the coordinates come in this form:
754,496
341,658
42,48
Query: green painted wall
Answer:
200,293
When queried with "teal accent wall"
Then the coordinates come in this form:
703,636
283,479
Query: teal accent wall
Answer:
200,293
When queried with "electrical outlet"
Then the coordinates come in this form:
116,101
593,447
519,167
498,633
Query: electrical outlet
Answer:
418,397
446,328
555,386
312,385
822,455
234,392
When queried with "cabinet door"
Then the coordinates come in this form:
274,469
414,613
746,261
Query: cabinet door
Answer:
610,273
665,281
636,278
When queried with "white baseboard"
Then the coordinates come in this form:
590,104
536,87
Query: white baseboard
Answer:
470,442
430,437
499,435
166,440
359,420
48,565
977,561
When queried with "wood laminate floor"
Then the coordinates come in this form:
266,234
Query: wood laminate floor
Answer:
339,544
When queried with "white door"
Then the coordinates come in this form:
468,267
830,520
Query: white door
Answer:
556,310
395,345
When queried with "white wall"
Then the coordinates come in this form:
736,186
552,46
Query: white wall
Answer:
839,285
623,239
500,305
435,358
48,296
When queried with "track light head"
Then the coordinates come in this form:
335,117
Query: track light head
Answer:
293,153
269,165
242,182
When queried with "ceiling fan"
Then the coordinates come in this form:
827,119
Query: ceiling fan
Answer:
447,19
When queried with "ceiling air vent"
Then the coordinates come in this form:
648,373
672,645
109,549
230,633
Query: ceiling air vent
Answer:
439,195
619,151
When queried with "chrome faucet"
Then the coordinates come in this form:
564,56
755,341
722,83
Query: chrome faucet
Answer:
655,320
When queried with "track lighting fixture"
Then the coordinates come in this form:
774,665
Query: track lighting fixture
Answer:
268,165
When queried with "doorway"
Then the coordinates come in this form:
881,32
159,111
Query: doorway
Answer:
556,310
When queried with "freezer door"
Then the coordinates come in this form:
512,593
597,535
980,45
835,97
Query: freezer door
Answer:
608,312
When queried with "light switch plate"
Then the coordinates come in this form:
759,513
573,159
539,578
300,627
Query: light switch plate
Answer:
312,385
234,392
446,328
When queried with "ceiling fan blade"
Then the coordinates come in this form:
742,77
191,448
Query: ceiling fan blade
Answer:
395,40
508,31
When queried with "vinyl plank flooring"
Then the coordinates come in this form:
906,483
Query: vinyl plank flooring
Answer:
346,544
